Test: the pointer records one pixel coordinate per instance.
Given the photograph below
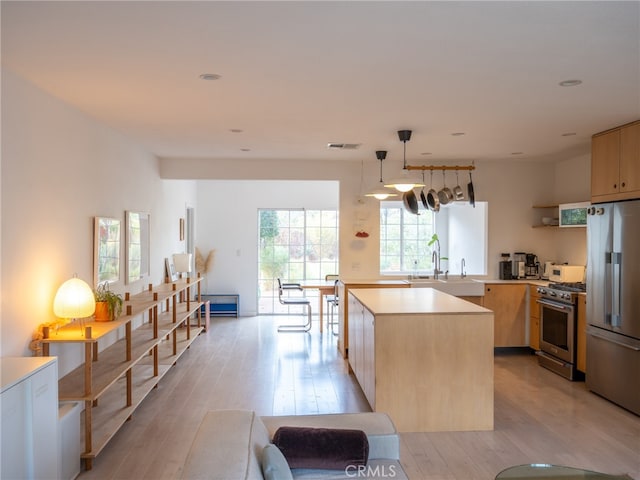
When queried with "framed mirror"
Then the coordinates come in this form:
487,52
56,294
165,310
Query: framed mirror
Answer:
137,239
106,250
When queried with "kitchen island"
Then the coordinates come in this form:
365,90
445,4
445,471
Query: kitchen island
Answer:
424,357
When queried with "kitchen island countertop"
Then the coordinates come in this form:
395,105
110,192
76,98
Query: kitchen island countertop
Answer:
413,301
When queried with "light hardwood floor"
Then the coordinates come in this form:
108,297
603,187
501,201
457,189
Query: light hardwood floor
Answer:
244,363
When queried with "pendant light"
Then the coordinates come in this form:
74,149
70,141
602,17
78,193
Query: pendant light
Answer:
380,192
404,183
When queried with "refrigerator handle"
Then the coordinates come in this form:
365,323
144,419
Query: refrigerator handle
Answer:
608,287
616,279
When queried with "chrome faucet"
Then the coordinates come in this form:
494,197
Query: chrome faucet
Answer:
462,272
435,258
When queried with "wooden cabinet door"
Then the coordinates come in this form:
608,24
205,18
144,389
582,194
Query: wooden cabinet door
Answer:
630,158
605,163
534,318
355,337
508,303
369,358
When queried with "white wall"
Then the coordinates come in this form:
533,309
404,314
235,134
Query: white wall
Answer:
227,221
59,170
511,187
573,184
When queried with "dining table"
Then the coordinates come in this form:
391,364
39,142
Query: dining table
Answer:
325,287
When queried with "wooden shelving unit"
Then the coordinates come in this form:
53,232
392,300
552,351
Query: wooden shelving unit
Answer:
113,382
546,207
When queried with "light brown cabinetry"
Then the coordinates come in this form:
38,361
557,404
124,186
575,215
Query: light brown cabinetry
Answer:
423,357
534,318
615,164
362,358
508,303
154,332
476,300
343,313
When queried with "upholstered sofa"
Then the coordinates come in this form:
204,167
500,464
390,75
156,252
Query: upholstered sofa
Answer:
230,445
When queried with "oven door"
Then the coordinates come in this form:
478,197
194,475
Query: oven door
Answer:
557,329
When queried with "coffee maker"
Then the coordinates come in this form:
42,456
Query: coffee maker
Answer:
505,267
531,266
518,267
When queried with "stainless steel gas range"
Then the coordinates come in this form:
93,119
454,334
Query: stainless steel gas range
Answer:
558,328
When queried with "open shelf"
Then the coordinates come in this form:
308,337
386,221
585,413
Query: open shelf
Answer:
114,381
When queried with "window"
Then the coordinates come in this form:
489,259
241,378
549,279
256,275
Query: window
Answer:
405,237
294,245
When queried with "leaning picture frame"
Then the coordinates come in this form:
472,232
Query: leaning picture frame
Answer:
106,250
137,233
170,270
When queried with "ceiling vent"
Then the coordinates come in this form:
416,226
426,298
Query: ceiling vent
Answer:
343,146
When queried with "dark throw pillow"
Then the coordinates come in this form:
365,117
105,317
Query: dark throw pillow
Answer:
322,448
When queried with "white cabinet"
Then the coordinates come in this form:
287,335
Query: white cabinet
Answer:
29,399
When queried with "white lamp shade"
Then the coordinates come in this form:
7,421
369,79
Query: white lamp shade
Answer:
74,299
182,262
380,193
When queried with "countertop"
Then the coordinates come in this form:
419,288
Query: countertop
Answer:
13,369
527,281
413,301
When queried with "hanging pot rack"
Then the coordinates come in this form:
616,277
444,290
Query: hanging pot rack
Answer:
440,167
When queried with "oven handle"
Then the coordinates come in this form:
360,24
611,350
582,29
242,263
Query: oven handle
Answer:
557,306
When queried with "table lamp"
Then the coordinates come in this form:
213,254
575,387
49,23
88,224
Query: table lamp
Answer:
74,300
182,262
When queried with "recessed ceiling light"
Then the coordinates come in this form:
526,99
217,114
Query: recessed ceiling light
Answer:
569,134
570,83
517,153
457,134
235,130
245,149
425,153
210,76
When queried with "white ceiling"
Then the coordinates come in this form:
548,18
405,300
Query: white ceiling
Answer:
298,75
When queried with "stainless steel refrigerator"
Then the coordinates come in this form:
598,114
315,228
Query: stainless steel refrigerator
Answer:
613,302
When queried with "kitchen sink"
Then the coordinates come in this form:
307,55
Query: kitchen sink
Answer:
467,287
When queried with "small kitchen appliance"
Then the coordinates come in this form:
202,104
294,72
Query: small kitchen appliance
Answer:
567,273
519,263
505,269
546,270
532,266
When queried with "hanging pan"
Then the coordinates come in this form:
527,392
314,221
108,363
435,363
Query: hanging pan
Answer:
445,195
423,197
410,202
432,197
458,194
472,198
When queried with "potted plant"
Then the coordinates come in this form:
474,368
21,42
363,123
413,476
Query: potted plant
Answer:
108,303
